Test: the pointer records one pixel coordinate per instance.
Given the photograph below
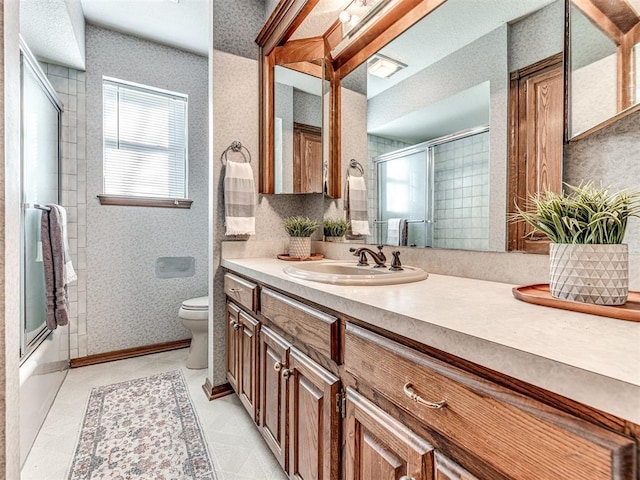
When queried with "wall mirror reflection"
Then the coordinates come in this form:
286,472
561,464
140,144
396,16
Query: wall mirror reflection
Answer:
603,68
297,132
437,122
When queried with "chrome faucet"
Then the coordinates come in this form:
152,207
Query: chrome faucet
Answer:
379,257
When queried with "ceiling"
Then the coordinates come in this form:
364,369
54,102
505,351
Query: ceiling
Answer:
444,31
183,24
54,29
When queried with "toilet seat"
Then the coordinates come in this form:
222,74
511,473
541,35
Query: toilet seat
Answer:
195,309
197,304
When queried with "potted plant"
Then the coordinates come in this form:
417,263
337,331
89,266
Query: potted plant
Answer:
334,229
588,261
300,230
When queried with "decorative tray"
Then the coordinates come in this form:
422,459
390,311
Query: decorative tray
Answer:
314,256
540,295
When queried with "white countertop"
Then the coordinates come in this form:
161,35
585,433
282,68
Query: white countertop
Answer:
591,359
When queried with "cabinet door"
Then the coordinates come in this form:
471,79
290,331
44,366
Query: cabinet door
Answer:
378,447
448,470
246,352
233,313
272,419
313,420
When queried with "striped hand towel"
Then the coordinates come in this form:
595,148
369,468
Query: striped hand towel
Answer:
239,199
356,205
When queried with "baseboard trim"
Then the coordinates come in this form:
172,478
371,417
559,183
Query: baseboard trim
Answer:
129,353
218,391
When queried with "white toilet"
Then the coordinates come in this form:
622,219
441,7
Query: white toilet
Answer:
194,314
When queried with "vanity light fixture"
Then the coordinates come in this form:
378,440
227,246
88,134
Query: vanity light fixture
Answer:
382,66
357,13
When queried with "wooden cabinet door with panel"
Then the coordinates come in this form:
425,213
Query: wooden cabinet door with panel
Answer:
313,420
272,417
378,447
232,314
246,350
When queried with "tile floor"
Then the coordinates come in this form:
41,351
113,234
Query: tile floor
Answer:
237,449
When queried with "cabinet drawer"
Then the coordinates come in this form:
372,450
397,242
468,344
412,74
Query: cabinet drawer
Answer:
313,328
241,291
515,435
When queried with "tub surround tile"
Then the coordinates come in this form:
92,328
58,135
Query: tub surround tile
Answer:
591,359
67,83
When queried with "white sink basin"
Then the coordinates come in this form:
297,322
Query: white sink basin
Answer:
348,273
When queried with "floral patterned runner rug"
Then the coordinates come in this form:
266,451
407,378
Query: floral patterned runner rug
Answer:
145,428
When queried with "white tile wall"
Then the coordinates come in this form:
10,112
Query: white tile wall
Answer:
70,87
461,193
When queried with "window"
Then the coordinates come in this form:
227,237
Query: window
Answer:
145,145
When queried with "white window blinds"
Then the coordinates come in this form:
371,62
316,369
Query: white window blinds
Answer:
145,141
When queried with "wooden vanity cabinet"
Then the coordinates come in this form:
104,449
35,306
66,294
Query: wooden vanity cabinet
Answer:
272,416
494,432
288,360
241,342
378,447
297,417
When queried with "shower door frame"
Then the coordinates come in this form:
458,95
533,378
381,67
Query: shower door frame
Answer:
428,216
428,147
28,60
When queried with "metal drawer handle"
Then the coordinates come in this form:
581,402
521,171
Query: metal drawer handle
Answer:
286,373
410,392
236,326
277,366
406,477
235,290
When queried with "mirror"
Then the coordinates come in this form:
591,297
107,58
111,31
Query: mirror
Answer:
437,128
604,39
298,166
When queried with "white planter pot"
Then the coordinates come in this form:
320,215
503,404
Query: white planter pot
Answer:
299,247
334,239
596,274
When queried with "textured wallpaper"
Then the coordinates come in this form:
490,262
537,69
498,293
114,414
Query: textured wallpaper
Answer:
236,25
307,108
126,305
235,105
537,36
609,157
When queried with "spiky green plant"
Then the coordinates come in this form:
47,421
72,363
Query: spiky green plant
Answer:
584,215
298,226
335,227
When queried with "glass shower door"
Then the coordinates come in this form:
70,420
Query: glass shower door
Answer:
40,185
404,192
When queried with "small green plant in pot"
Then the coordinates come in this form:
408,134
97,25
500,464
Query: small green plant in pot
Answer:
334,229
300,230
588,261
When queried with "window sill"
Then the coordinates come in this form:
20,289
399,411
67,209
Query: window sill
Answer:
132,201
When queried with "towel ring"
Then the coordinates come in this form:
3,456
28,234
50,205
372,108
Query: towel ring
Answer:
353,163
238,148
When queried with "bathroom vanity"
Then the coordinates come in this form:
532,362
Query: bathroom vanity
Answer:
445,378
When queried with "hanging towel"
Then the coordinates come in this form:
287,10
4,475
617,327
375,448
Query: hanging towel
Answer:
57,265
239,199
397,231
355,203
69,272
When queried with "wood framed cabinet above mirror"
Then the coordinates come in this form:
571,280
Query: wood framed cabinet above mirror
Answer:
283,167
340,54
